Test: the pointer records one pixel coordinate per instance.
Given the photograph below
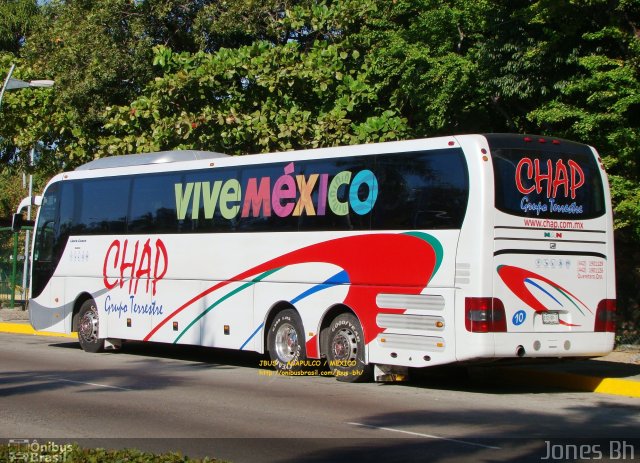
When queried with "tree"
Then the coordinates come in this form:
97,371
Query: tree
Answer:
256,98
100,53
16,20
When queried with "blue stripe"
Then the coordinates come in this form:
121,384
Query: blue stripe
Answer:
531,282
337,279
252,335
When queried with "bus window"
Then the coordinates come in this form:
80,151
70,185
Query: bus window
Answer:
104,205
153,205
548,184
45,237
421,190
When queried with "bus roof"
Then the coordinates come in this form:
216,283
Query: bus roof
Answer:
160,157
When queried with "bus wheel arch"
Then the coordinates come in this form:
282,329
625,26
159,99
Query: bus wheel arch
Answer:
327,318
88,327
284,337
77,305
342,343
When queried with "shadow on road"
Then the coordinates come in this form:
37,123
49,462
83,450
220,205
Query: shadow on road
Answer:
449,377
603,431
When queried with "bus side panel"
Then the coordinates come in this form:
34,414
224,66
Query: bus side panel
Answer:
225,316
44,315
123,314
49,311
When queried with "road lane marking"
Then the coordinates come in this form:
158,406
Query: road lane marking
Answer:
85,383
428,436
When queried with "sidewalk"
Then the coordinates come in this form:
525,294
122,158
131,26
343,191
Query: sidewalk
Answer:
8,315
618,373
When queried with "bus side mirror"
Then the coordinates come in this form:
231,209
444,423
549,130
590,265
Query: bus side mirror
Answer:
16,223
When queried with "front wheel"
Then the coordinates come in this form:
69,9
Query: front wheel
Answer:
285,341
88,328
345,350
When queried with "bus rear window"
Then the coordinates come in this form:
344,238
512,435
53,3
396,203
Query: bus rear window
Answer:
548,184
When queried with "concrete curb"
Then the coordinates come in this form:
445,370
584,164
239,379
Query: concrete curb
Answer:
24,328
570,381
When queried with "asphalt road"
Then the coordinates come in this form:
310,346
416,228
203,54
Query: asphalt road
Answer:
223,404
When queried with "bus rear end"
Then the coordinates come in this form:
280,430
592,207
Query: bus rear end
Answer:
553,259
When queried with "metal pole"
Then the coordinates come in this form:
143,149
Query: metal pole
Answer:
25,266
15,235
6,81
14,270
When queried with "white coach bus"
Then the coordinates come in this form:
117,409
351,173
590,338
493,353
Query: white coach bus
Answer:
371,259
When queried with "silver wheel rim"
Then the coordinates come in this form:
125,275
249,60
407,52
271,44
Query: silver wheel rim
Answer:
286,342
344,345
88,329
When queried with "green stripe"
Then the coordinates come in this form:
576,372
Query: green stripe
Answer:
570,299
225,297
435,244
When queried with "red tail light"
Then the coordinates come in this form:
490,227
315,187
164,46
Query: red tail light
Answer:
606,316
484,315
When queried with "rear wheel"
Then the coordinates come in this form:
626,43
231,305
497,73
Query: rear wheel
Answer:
285,341
345,350
88,327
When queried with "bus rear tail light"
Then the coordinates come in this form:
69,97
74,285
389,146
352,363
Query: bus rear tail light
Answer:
606,316
484,315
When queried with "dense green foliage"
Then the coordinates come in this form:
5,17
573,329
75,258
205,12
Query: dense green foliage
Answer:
16,18
48,451
244,76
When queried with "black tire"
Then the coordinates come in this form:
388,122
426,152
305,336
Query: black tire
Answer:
286,342
88,328
345,350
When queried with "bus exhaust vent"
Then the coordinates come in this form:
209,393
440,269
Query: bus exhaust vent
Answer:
418,343
410,322
410,301
161,157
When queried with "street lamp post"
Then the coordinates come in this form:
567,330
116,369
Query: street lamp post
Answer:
16,84
13,84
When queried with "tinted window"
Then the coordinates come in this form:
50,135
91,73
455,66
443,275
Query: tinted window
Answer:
44,252
545,184
399,191
213,204
153,205
103,205
45,230
332,199
423,190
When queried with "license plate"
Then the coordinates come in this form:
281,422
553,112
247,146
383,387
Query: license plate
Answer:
550,318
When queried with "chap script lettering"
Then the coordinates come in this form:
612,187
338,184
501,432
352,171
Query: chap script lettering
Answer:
133,261
555,181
